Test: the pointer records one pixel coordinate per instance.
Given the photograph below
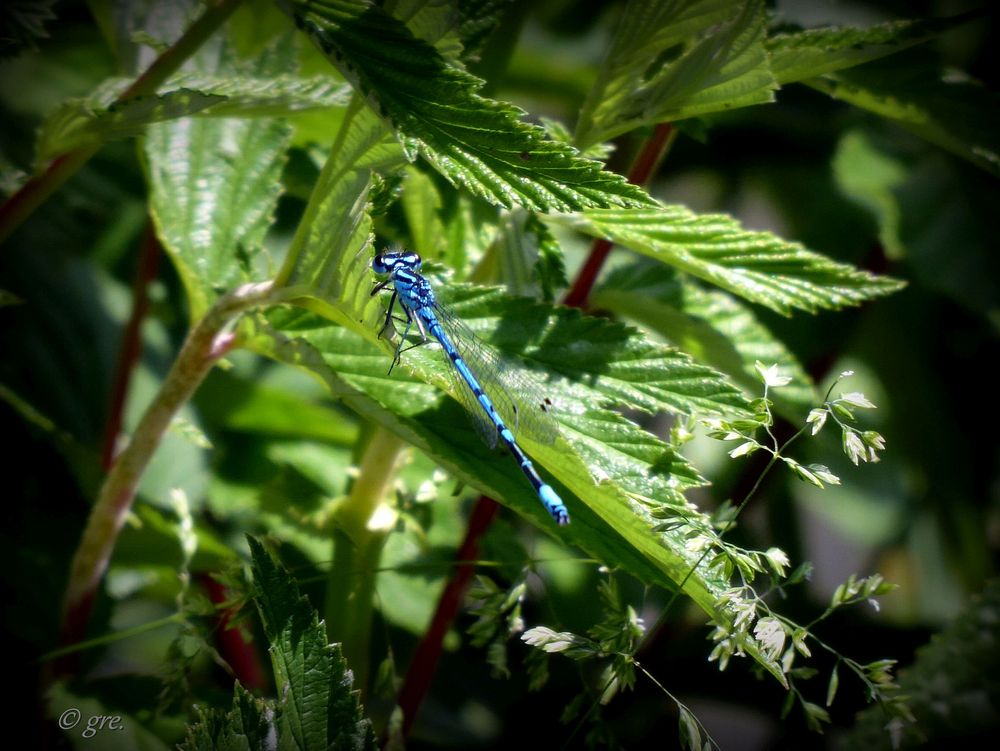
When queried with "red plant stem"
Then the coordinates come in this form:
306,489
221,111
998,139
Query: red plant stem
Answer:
209,340
643,167
35,191
238,653
131,346
425,659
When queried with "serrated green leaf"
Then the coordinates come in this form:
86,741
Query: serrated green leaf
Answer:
99,119
316,707
816,52
757,266
608,360
280,94
214,184
474,142
320,708
250,724
422,206
613,522
325,259
674,60
86,122
944,107
644,376
708,324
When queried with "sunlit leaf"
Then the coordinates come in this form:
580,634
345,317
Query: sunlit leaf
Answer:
478,143
214,184
98,119
709,324
758,266
674,60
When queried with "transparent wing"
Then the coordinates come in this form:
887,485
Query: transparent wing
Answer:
519,399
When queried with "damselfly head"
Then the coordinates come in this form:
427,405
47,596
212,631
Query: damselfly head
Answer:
389,260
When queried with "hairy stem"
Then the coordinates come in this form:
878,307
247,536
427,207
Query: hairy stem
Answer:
205,344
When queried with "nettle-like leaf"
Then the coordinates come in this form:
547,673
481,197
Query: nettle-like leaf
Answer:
944,107
708,324
317,706
581,364
99,119
422,204
757,266
214,182
674,60
327,261
815,52
433,105
618,481
601,360
249,724
478,19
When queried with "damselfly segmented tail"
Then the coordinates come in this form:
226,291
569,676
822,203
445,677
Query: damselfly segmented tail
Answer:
482,391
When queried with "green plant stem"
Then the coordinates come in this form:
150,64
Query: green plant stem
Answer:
357,547
113,637
37,190
205,344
